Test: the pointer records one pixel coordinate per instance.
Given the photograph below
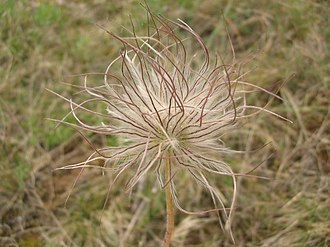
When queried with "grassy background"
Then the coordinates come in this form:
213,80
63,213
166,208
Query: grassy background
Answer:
44,41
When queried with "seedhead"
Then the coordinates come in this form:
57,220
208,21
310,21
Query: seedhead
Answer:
170,101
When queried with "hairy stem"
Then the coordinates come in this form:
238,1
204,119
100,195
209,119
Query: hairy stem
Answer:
169,205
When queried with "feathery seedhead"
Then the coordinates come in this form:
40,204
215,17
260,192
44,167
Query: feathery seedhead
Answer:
167,100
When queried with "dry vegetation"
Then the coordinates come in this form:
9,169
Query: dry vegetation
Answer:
42,43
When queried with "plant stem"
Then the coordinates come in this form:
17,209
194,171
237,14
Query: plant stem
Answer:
169,205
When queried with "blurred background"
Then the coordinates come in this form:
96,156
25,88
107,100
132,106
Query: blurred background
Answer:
43,42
